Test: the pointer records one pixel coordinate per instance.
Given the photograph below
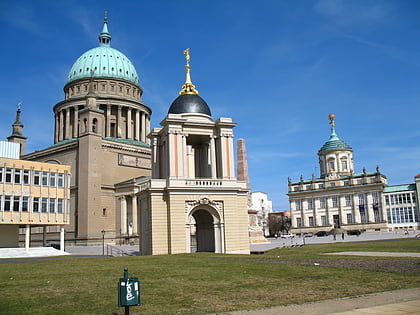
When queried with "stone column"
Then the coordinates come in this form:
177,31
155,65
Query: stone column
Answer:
56,129
108,120
369,208
27,237
76,122
143,127
213,158
119,122
123,206
60,126
129,125
147,129
67,133
62,238
184,156
137,126
356,211
135,214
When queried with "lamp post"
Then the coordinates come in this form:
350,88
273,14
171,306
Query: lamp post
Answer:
103,242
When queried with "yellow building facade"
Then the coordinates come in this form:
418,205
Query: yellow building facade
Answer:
33,194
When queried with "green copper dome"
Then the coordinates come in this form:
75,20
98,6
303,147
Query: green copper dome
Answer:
104,61
334,143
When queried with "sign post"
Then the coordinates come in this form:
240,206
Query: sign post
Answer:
128,292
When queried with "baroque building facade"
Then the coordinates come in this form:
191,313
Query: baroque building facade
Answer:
100,131
339,198
194,201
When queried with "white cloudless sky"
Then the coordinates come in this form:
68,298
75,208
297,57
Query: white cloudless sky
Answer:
278,68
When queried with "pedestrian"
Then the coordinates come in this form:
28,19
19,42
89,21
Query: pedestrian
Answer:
334,237
342,236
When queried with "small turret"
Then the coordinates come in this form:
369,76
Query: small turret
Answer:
17,132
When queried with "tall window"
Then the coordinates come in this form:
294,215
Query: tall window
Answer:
60,180
334,201
311,221
324,220
298,204
310,203
344,164
37,178
298,222
322,202
7,203
60,206
44,179
36,205
1,175
17,176
348,200
44,205
26,177
52,205
350,218
25,204
8,175
53,179
16,203
331,165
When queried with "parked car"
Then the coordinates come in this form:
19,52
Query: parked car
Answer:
307,235
321,233
354,232
287,235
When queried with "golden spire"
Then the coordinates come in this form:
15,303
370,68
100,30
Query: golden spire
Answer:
188,87
331,118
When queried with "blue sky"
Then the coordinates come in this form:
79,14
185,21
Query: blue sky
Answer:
278,68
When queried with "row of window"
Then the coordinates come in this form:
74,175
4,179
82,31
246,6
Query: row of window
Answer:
333,184
403,215
348,201
35,204
349,217
399,199
103,86
30,177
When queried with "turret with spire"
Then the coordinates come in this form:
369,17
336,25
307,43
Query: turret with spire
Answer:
17,131
335,156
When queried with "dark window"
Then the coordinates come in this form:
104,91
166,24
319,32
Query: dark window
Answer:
8,175
36,204
7,203
25,204
37,178
26,177
16,204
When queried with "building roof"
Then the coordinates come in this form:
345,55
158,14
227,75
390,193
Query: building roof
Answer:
334,143
189,103
103,62
396,188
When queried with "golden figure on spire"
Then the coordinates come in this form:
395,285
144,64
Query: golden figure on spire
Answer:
188,87
331,118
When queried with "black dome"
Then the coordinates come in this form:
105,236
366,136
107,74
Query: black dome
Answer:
189,103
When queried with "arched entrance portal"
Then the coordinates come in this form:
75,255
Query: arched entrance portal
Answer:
204,231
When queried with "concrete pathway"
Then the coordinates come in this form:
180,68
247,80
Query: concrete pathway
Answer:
405,301
378,254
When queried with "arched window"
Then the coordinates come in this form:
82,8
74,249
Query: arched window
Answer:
331,164
344,164
94,125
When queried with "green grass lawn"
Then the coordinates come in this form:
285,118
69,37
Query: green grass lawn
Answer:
199,283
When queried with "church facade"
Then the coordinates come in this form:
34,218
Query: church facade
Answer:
100,131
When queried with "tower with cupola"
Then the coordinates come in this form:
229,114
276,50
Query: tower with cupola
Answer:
194,201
